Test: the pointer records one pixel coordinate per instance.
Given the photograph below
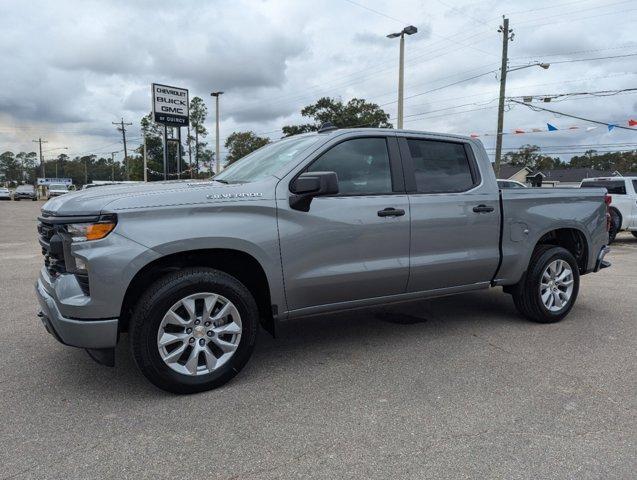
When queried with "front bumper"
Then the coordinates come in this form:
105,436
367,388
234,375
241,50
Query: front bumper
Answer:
91,334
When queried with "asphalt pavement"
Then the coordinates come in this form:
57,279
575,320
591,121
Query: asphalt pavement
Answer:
457,387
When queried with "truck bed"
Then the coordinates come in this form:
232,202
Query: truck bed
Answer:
528,214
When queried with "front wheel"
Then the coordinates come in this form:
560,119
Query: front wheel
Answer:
193,330
549,288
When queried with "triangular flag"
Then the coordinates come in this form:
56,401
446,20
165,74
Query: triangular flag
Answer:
588,129
518,130
474,135
610,128
632,123
551,127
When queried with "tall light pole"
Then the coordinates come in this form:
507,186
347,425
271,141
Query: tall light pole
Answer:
217,147
410,30
507,36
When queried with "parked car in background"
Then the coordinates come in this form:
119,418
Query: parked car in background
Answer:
5,193
57,189
25,192
315,223
623,207
510,184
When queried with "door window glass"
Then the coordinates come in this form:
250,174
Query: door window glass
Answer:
361,164
440,167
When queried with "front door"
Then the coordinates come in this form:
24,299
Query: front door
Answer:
354,245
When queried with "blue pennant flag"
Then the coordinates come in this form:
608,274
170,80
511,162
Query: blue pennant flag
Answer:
551,127
610,128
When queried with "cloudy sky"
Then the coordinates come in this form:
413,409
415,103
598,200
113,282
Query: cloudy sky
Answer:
70,68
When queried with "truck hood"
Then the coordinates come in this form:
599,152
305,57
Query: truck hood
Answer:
111,198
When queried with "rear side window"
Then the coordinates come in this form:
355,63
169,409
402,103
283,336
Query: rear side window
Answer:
614,187
361,164
441,167
635,185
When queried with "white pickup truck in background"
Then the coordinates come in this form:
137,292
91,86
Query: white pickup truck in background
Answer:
623,208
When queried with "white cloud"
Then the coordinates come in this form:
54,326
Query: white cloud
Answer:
70,68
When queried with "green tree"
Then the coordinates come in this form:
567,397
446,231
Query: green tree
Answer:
10,169
239,144
530,156
355,113
198,113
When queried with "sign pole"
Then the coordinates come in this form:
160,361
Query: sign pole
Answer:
178,152
165,152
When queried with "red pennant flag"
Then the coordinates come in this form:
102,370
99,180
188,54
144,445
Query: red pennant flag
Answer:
518,130
632,123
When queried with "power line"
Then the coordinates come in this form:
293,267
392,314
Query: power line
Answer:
533,107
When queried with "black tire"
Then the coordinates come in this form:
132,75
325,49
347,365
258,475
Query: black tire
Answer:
526,294
615,224
158,299
16,199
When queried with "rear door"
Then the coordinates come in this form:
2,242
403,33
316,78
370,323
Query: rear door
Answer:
455,215
351,246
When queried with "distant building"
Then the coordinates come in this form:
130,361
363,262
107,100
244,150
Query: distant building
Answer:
565,177
514,172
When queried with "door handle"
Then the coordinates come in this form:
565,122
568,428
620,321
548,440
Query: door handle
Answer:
483,209
391,212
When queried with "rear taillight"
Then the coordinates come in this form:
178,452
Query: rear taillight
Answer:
608,200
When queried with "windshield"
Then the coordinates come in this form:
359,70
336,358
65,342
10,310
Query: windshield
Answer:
265,161
57,186
25,188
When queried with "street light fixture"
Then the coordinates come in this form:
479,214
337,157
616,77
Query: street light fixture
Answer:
217,147
410,30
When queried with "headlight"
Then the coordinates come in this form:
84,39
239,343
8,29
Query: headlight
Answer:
82,232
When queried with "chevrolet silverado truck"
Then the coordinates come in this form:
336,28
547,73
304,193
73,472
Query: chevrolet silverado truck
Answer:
315,223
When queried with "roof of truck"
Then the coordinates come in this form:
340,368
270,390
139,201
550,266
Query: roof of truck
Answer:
340,131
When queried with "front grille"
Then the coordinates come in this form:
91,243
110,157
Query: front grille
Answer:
51,249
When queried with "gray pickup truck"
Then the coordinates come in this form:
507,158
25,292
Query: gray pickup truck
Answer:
310,224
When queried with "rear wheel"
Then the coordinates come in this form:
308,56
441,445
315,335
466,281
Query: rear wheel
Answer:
193,330
549,288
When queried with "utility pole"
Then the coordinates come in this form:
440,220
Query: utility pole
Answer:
113,166
217,147
40,141
507,35
121,126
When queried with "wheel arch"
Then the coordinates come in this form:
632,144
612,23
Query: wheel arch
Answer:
240,264
572,239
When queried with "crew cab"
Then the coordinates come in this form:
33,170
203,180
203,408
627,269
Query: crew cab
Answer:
315,223
623,208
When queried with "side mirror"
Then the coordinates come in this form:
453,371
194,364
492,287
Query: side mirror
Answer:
309,185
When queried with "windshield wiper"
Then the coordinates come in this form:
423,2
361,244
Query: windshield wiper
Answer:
220,181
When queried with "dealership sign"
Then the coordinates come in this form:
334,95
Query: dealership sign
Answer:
170,105
52,181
